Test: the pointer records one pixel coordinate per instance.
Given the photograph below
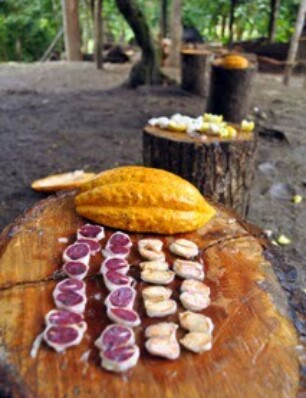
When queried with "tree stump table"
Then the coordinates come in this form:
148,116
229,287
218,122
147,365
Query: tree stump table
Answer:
222,169
230,90
195,70
253,353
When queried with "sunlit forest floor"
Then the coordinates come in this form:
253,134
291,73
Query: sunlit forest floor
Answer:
58,117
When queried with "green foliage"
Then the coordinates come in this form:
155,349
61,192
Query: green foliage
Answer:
27,27
251,18
285,23
116,27
206,16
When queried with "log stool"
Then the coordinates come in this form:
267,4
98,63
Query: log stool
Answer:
230,87
195,70
221,168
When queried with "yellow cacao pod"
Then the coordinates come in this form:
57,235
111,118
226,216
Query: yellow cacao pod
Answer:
142,199
233,61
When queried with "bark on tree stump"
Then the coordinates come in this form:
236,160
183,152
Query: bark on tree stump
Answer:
222,169
195,71
230,91
253,353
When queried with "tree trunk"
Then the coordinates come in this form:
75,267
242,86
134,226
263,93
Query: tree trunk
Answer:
176,32
239,32
273,18
295,41
223,25
195,69
230,92
163,18
122,35
72,30
98,34
146,71
92,9
231,22
221,169
18,49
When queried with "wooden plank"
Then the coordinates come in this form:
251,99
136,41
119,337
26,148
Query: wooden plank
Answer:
253,351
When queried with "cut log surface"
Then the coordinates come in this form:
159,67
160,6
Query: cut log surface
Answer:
220,168
195,70
253,352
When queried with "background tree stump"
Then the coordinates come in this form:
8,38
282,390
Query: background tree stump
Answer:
221,169
195,70
230,91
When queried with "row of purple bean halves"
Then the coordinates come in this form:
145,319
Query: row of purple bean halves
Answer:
65,325
118,350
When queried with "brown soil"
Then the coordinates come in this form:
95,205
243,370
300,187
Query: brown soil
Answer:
58,117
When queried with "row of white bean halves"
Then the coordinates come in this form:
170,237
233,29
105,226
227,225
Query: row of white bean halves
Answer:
65,325
194,296
118,350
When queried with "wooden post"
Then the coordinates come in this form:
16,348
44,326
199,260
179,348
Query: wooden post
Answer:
72,30
98,34
223,25
18,48
176,31
230,91
295,41
163,18
231,22
222,169
273,18
195,70
52,45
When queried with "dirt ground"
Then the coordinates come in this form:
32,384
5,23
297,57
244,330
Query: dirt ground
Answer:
56,117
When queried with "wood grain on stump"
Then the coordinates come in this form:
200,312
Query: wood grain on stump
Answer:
230,91
222,169
195,71
253,351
